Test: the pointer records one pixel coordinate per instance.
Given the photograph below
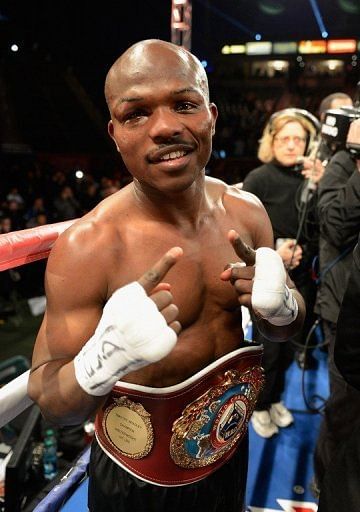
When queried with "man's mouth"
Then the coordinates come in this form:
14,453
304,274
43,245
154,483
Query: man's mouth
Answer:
173,155
167,154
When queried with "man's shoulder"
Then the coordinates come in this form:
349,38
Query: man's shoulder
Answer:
88,237
233,196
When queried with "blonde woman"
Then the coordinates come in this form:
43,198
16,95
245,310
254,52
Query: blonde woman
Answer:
286,184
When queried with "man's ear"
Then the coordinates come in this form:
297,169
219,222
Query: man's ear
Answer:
111,133
214,114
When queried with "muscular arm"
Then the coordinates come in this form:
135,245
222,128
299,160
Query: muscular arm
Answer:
75,296
68,392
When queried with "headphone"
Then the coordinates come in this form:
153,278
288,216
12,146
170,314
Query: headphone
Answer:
300,113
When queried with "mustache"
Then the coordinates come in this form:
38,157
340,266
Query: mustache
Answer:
169,147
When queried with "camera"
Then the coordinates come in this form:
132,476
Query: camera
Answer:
334,131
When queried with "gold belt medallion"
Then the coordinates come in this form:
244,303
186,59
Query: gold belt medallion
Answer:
127,426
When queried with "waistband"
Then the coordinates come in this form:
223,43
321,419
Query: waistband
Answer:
180,434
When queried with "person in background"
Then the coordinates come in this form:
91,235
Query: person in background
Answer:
340,490
14,210
89,197
66,205
8,278
5,225
282,185
137,297
332,101
37,208
14,195
339,218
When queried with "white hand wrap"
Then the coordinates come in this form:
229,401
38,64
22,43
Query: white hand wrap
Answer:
131,334
271,298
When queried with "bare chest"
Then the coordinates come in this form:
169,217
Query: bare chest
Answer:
195,279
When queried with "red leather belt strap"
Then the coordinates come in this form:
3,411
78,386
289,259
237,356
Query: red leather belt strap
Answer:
180,434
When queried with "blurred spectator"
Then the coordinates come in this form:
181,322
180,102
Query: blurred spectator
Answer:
108,186
5,225
14,195
57,183
32,213
41,219
90,197
109,190
35,182
8,278
15,213
334,100
66,206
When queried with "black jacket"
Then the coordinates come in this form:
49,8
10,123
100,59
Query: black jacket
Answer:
347,344
280,189
339,218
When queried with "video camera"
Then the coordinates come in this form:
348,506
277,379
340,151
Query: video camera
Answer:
335,128
334,131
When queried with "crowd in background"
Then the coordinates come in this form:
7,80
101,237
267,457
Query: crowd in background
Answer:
34,193
243,115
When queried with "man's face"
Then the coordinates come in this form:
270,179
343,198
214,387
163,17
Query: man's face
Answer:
161,120
289,143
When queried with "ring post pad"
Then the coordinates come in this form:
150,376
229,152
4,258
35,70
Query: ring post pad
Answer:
180,434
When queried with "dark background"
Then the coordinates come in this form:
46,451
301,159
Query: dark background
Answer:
88,36
51,90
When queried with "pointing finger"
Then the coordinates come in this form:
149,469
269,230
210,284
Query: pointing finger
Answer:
155,275
245,252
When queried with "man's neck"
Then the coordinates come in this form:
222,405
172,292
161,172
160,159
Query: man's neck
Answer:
179,207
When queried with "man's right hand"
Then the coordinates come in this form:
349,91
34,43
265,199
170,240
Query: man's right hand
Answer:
138,327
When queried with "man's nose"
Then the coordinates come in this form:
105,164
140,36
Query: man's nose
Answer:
165,124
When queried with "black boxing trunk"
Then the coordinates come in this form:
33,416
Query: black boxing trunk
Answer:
112,489
179,435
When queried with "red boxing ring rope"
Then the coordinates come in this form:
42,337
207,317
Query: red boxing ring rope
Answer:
18,248
28,245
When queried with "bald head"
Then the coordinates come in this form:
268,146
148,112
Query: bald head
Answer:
335,100
153,58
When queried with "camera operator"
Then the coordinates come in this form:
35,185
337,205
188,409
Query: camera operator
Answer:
340,490
339,218
334,100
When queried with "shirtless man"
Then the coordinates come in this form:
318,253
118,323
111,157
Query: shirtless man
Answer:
170,234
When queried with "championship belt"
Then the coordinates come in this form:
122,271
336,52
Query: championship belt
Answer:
180,434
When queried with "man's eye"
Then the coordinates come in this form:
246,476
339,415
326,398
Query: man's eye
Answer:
135,114
185,106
